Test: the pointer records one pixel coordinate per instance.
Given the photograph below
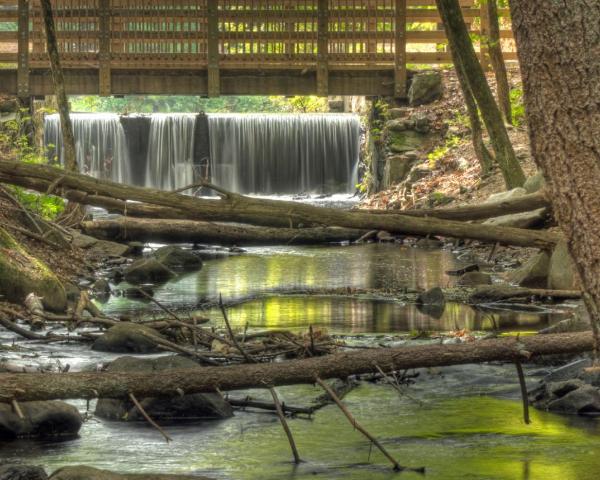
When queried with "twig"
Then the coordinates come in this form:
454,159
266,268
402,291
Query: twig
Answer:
360,428
394,383
17,409
524,396
30,234
285,426
231,335
148,419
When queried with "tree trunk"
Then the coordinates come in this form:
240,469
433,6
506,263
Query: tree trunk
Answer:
237,208
70,159
497,60
559,53
460,41
189,231
51,386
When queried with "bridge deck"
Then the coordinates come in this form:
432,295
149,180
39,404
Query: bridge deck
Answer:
237,47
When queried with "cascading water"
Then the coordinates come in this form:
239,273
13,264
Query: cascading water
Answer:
171,151
261,154
287,153
100,145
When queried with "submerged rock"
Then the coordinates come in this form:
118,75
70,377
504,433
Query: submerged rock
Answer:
432,302
471,279
81,472
173,256
42,420
147,270
187,407
22,472
22,274
127,337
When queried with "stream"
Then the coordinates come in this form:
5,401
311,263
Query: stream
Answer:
462,422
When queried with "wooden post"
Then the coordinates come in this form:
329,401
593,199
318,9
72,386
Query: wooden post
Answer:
23,50
214,81
322,48
484,57
104,78
400,50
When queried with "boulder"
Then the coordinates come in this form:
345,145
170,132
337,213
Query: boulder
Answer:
175,257
471,279
582,400
187,407
400,112
82,241
530,219
147,270
22,472
535,183
82,472
22,274
508,195
533,274
429,243
425,88
126,337
42,420
397,168
406,141
569,325
562,274
101,287
105,249
432,302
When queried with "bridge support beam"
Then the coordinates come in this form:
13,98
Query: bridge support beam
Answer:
400,50
214,77
323,48
23,50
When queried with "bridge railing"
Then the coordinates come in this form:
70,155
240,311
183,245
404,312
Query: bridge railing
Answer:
319,36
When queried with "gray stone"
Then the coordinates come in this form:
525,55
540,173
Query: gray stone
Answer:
401,112
22,274
398,125
147,270
425,88
127,337
383,236
397,168
176,257
82,241
101,287
22,472
471,279
429,243
41,420
569,325
534,183
406,141
584,400
432,302
422,124
520,220
566,372
187,407
562,274
106,249
82,472
508,195
534,273
418,173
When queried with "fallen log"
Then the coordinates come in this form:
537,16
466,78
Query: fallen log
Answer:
265,212
189,231
480,211
51,386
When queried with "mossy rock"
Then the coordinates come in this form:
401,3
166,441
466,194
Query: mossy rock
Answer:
22,274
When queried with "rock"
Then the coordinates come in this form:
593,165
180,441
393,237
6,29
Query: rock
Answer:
336,106
175,257
533,274
398,125
395,113
562,274
535,183
471,279
406,141
421,123
139,292
429,243
569,371
22,472
520,220
42,420
397,168
73,291
177,408
383,236
136,248
508,195
584,400
432,302
82,472
425,88
104,249
418,173
101,287
569,325
82,241
127,337
147,270
22,274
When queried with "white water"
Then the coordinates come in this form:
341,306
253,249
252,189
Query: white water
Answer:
100,144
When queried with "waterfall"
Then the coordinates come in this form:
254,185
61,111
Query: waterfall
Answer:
100,145
285,153
170,151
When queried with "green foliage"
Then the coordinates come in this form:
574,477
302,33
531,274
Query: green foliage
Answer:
301,104
517,106
47,206
441,151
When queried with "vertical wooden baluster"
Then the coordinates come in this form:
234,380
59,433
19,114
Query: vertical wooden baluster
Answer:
400,50
23,50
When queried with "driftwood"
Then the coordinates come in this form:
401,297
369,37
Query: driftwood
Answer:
40,386
189,231
237,208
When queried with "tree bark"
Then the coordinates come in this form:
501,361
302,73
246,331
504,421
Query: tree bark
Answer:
460,42
34,386
237,208
497,61
189,231
70,158
559,52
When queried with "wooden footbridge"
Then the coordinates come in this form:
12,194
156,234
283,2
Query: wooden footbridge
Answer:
227,47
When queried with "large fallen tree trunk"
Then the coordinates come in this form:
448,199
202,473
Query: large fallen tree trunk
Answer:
34,386
237,208
190,231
